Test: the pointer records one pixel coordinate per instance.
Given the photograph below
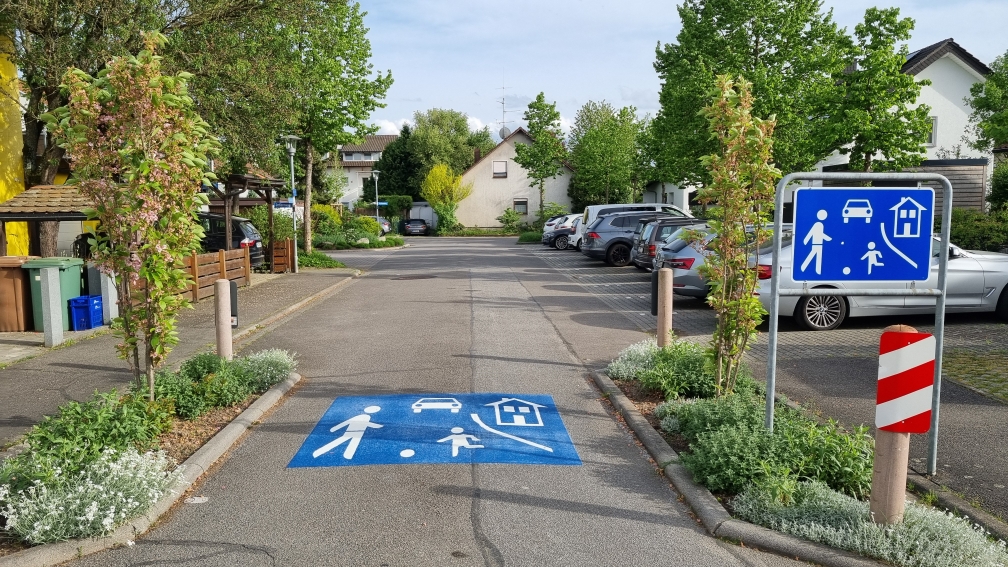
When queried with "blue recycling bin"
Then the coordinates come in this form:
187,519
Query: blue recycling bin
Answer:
80,316
97,319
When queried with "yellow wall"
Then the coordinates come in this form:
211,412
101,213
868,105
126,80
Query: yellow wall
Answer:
11,167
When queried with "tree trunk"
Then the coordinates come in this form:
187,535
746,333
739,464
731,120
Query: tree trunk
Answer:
150,376
48,238
542,200
310,159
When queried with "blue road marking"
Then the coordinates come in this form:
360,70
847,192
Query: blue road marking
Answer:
858,234
438,428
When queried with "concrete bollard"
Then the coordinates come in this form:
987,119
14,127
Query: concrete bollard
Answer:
110,299
889,470
52,306
664,305
222,318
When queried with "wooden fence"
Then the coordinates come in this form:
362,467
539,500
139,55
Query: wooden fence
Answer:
283,256
205,269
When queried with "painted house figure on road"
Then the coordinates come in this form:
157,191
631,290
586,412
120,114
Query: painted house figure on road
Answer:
512,411
906,218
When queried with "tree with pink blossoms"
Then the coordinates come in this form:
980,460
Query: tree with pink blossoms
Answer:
139,153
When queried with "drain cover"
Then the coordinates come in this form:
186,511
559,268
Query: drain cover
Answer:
418,277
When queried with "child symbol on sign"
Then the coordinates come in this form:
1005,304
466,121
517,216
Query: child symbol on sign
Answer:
460,440
872,255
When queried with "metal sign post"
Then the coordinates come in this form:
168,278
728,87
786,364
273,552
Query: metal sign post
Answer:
854,212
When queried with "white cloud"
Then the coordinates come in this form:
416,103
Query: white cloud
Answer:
391,127
566,124
475,123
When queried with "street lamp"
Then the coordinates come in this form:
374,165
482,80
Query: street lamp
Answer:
374,174
291,141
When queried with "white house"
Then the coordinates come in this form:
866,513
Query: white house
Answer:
499,183
358,161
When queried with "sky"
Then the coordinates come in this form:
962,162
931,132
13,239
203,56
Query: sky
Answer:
459,54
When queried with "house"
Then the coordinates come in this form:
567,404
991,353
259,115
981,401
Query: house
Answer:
512,411
907,218
499,183
358,162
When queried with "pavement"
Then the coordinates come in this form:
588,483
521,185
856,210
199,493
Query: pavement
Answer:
835,372
443,316
36,384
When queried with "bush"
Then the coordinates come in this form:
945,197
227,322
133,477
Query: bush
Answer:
681,368
633,360
201,365
106,493
227,387
998,197
367,225
976,230
510,220
283,227
926,538
266,368
325,219
187,399
530,236
317,259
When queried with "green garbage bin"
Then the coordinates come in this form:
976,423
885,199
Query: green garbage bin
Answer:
70,285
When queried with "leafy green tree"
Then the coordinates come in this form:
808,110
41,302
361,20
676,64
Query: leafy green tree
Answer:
442,136
871,110
444,191
989,101
332,183
788,49
998,197
605,154
400,169
742,186
543,158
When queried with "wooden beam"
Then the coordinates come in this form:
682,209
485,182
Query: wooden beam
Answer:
3,238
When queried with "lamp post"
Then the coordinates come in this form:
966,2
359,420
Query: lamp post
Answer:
374,174
291,142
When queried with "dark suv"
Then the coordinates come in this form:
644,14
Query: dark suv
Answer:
243,235
651,235
611,237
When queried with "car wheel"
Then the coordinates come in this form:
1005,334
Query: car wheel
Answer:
821,312
561,242
577,245
618,255
1002,305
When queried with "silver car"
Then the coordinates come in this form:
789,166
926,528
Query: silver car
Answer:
976,282
685,260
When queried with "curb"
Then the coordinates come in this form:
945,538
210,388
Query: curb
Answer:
706,507
960,506
197,464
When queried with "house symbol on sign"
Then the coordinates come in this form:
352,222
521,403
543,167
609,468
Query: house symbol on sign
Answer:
512,411
907,218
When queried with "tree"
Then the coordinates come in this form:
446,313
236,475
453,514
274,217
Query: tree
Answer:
871,110
400,169
444,191
788,49
742,185
604,154
332,184
989,101
543,158
140,154
442,136
335,89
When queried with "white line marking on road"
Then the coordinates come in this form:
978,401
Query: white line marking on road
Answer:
476,418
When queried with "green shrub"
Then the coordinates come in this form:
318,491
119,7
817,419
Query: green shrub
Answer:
266,368
283,226
998,197
529,237
926,538
633,360
325,219
187,399
976,230
317,259
366,225
201,365
510,220
227,387
680,369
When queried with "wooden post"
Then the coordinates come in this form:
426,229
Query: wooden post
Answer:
664,306
889,470
3,238
195,276
248,268
222,260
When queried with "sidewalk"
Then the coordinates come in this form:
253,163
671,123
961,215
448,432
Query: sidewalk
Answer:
40,380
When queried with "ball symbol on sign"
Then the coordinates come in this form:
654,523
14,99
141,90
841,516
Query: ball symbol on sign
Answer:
846,271
407,453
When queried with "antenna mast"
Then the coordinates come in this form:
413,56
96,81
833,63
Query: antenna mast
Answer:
504,132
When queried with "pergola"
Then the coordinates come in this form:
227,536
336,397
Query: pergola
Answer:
237,184
38,204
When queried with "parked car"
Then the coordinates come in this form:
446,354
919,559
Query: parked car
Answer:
386,226
555,222
416,226
592,212
976,283
650,235
243,235
611,237
560,237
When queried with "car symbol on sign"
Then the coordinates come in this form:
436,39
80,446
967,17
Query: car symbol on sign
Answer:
857,209
437,403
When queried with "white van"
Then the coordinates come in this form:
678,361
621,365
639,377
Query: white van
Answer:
592,212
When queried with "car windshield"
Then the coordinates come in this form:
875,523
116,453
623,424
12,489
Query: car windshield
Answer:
250,230
648,229
417,221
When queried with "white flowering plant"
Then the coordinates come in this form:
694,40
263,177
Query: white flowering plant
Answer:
106,493
633,360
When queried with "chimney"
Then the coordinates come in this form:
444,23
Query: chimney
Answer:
476,155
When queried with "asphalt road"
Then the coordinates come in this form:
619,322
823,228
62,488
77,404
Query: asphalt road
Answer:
444,316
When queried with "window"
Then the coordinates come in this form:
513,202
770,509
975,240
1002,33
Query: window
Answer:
932,137
521,206
500,169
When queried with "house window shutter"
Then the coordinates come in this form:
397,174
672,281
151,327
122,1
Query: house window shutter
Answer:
500,169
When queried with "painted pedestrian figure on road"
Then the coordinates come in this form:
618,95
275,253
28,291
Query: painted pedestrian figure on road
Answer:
817,234
460,440
873,256
355,428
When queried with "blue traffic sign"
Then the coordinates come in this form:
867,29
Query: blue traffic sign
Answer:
859,234
382,203
438,428
283,205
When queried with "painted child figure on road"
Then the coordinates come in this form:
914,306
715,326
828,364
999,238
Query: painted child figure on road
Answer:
872,255
355,428
459,440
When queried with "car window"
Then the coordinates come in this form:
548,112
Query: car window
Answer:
648,229
619,221
673,211
665,231
250,230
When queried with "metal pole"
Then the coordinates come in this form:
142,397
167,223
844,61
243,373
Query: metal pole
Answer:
376,200
290,152
771,380
940,324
